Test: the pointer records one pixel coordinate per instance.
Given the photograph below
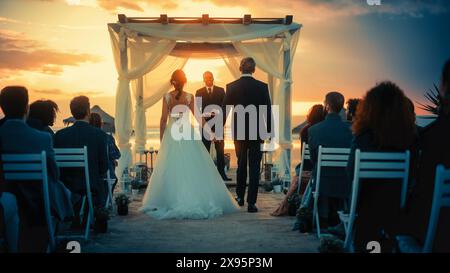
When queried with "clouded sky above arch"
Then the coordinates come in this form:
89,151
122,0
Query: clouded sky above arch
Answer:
345,45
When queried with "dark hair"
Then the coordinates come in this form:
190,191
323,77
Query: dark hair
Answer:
335,101
386,112
14,101
95,120
352,105
445,84
316,114
79,107
44,110
178,80
248,65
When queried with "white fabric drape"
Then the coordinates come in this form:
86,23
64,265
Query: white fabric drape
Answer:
139,48
133,59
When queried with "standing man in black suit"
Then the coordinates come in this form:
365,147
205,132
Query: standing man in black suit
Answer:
249,93
82,134
212,95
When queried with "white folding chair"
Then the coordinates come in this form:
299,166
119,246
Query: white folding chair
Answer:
29,167
78,158
327,157
305,155
110,182
374,165
441,198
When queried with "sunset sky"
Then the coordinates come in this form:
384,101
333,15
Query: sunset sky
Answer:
60,48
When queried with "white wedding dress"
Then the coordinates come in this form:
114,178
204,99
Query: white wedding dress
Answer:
185,183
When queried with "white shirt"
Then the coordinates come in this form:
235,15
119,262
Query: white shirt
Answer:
247,75
209,90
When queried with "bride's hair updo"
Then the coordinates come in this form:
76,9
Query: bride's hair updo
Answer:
178,80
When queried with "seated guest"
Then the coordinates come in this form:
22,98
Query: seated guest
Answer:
9,217
316,114
112,149
9,220
384,122
42,115
352,105
435,150
17,137
82,134
334,184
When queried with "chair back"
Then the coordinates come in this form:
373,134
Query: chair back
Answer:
441,198
305,155
77,158
377,165
31,167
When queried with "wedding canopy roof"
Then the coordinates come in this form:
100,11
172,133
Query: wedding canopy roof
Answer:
147,49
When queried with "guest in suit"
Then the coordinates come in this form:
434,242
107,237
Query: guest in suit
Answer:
211,96
9,220
384,123
17,137
435,150
42,115
9,216
247,91
334,184
82,134
112,149
352,105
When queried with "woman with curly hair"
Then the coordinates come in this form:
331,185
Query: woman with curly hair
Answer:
384,122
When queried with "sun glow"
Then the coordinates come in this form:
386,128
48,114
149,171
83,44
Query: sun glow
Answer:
195,68
302,108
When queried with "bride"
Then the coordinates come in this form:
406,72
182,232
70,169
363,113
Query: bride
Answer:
185,184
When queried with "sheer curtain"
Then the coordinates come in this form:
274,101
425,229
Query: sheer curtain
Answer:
147,46
143,55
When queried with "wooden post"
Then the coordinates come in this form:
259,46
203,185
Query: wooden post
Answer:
247,19
164,19
122,18
205,19
288,20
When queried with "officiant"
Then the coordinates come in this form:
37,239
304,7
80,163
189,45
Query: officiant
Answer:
213,95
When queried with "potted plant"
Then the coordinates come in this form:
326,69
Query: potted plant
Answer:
122,202
304,218
101,220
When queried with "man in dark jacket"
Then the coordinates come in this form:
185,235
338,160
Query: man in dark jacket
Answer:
82,134
211,96
247,92
17,137
333,132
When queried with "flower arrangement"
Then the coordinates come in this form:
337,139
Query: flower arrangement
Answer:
331,244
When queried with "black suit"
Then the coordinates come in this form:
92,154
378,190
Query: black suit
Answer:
215,97
435,150
76,136
248,91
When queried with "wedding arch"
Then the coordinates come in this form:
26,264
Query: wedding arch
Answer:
141,45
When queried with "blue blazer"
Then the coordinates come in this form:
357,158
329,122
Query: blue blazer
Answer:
332,132
17,137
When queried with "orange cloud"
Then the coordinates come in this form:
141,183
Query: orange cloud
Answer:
19,53
113,5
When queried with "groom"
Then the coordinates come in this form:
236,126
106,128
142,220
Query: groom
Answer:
213,95
249,93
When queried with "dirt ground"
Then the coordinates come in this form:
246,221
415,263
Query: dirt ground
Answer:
241,232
